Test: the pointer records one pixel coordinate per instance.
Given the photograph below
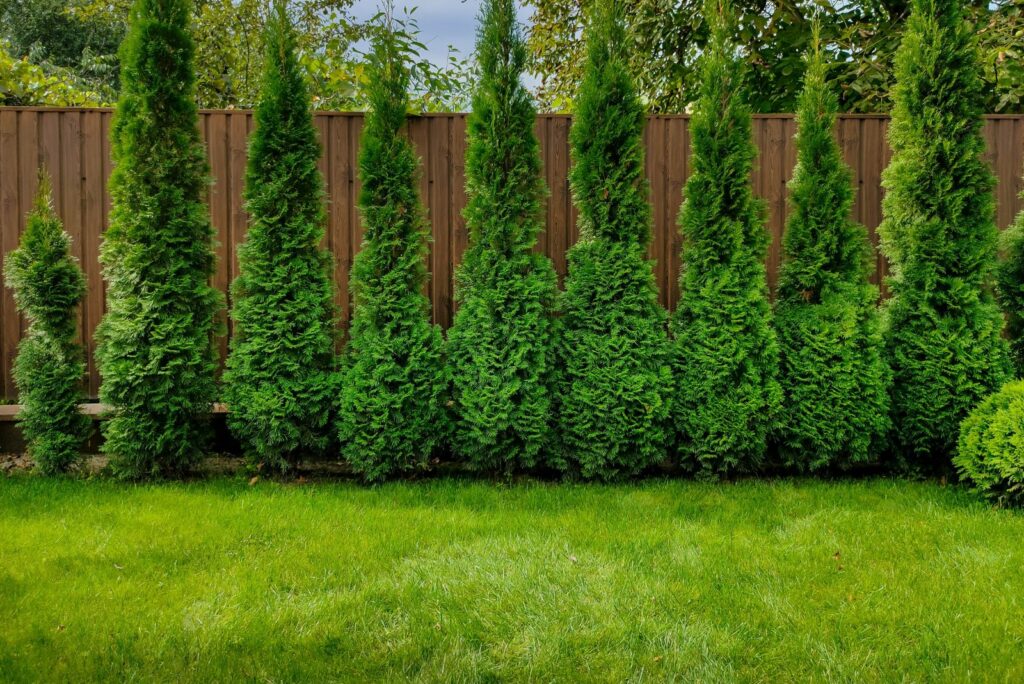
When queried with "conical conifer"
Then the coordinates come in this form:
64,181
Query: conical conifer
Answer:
942,326
278,379
156,353
392,413
48,287
502,342
614,381
834,380
726,354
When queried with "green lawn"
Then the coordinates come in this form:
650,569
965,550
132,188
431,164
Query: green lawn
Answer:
467,581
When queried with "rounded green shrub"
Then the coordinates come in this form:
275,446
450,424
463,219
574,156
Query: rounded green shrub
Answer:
48,286
834,380
942,327
614,379
725,358
155,349
392,410
991,447
502,342
278,380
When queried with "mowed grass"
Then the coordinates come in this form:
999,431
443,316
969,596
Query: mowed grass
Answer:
468,581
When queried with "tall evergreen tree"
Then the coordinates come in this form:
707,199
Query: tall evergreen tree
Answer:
726,355
942,326
834,381
48,286
614,380
1010,288
392,413
278,378
156,352
501,344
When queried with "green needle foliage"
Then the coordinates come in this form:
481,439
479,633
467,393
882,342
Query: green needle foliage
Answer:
834,380
156,351
990,455
615,382
1010,288
942,326
392,412
726,355
502,342
278,382
48,286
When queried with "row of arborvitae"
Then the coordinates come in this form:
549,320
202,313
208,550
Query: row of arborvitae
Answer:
598,382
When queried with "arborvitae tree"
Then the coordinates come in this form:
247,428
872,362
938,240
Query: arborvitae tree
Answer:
726,355
278,378
392,412
1010,288
502,342
48,286
942,326
614,381
156,352
834,380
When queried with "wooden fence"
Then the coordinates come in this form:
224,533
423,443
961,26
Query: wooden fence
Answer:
72,144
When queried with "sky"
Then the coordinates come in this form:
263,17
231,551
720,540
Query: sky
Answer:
442,23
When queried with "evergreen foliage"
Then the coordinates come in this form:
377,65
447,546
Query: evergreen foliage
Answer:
392,411
1010,288
48,286
991,447
834,381
278,381
942,326
155,350
614,382
725,357
502,341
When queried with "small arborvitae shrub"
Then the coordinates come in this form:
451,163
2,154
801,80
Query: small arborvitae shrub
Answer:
502,342
614,380
1010,288
834,380
725,356
156,353
392,412
991,448
48,286
942,326
278,381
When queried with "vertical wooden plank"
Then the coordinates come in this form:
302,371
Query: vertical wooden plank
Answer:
11,209
337,209
239,220
867,169
573,224
774,189
789,156
29,158
459,232
355,187
657,188
92,224
849,131
558,228
1006,171
220,202
439,192
675,171
71,189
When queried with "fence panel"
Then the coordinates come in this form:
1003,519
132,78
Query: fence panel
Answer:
73,145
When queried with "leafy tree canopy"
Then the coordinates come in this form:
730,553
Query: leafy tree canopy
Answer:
860,36
76,41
